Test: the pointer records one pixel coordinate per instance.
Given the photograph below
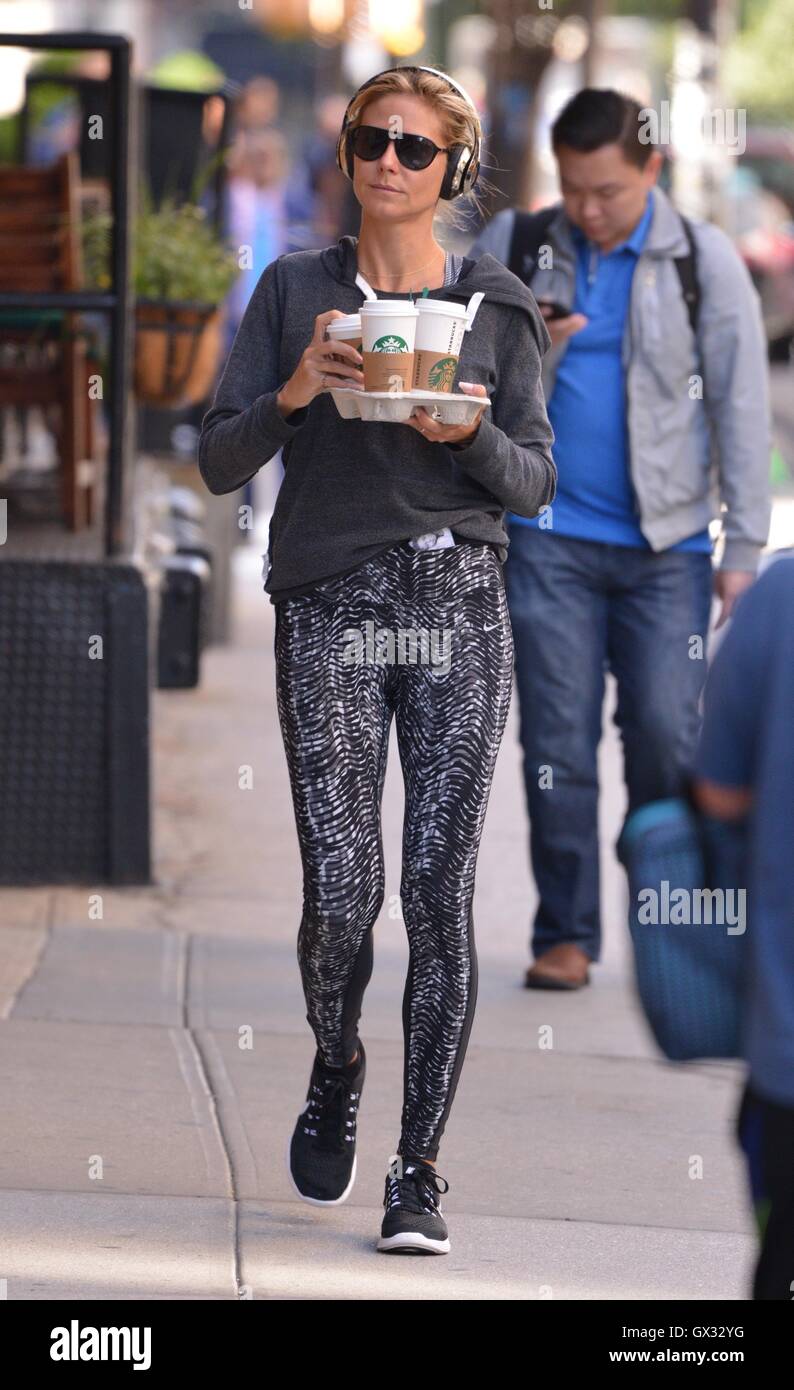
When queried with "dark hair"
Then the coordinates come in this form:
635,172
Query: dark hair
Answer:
598,116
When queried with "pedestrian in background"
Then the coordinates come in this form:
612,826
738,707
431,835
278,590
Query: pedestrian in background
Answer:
267,213
269,209
744,772
656,386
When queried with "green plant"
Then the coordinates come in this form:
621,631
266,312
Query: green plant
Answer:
176,254
95,231
9,138
188,70
755,69
179,256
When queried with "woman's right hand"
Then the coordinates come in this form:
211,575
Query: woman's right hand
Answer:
317,371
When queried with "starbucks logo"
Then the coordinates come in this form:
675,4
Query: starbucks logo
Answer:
442,374
390,343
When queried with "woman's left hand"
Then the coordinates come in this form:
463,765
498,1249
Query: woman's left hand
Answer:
437,433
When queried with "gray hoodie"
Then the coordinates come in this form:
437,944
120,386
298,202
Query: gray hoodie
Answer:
354,488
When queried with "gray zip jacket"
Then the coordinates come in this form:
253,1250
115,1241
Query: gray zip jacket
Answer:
689,450
353,488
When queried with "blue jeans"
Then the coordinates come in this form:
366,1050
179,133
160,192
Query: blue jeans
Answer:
580,608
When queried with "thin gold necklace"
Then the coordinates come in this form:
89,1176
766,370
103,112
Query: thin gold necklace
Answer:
405,273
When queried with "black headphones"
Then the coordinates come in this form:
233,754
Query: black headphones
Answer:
463,162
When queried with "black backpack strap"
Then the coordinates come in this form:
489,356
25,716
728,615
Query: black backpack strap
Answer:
687,274
527,238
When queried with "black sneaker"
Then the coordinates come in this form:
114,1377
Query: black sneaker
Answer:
413,1223
321,1154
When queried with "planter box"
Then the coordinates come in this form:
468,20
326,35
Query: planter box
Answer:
177,352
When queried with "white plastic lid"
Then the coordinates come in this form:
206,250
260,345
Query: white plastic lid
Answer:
438,306
347,324
403,307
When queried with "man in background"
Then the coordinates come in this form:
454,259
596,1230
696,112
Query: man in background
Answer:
656,387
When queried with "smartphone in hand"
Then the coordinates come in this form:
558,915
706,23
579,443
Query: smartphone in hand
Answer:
556,311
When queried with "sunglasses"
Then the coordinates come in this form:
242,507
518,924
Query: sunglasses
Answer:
413,151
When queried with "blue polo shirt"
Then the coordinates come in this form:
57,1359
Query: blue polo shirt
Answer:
587,409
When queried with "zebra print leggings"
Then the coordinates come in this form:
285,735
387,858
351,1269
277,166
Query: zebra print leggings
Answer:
424,635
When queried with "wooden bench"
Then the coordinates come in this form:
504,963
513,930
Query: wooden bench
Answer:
43,360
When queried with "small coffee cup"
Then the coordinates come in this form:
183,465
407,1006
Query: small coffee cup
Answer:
346,329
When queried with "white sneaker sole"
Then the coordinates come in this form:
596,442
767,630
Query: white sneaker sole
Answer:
318,1201
408,1241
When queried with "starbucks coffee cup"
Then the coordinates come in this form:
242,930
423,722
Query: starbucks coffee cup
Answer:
388,329
439,337
346,329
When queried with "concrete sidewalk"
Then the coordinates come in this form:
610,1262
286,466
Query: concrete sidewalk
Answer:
154,1061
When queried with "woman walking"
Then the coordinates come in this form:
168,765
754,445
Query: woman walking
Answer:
396,529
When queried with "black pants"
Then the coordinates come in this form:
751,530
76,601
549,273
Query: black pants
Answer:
765,1131
424,636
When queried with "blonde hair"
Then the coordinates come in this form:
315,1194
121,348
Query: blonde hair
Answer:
460,121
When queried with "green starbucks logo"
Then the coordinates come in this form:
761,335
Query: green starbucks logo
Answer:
442,374
390,343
